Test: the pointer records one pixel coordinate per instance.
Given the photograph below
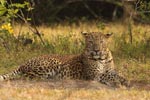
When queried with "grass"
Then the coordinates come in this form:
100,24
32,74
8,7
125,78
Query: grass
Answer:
47,91
68,94
132,60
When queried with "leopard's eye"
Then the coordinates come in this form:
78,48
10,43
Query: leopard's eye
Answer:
90,41
101,41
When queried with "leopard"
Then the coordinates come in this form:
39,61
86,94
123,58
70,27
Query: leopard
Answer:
94,63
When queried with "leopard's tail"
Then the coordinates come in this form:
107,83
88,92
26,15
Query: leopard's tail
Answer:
10,75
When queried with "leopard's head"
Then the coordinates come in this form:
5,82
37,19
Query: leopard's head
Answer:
96,45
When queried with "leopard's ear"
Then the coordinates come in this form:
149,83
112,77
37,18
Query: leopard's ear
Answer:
108,35
84,33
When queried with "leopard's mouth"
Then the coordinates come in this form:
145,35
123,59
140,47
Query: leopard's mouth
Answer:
97,57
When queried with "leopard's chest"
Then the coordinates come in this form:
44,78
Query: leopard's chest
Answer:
95,66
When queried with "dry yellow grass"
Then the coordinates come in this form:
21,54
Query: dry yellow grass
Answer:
68,94
44,91
139,31
65,28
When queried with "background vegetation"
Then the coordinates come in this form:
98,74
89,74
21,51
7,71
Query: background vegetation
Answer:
32,28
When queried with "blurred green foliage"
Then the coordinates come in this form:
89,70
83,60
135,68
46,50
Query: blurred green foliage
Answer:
9,10
143,10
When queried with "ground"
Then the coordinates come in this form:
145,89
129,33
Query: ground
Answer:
69,90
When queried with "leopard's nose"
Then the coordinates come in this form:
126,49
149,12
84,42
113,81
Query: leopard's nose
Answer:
97,52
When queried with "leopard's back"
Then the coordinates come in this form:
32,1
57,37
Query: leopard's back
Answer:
53,66
49,67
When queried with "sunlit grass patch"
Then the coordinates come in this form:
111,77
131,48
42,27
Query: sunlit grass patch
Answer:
38,93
